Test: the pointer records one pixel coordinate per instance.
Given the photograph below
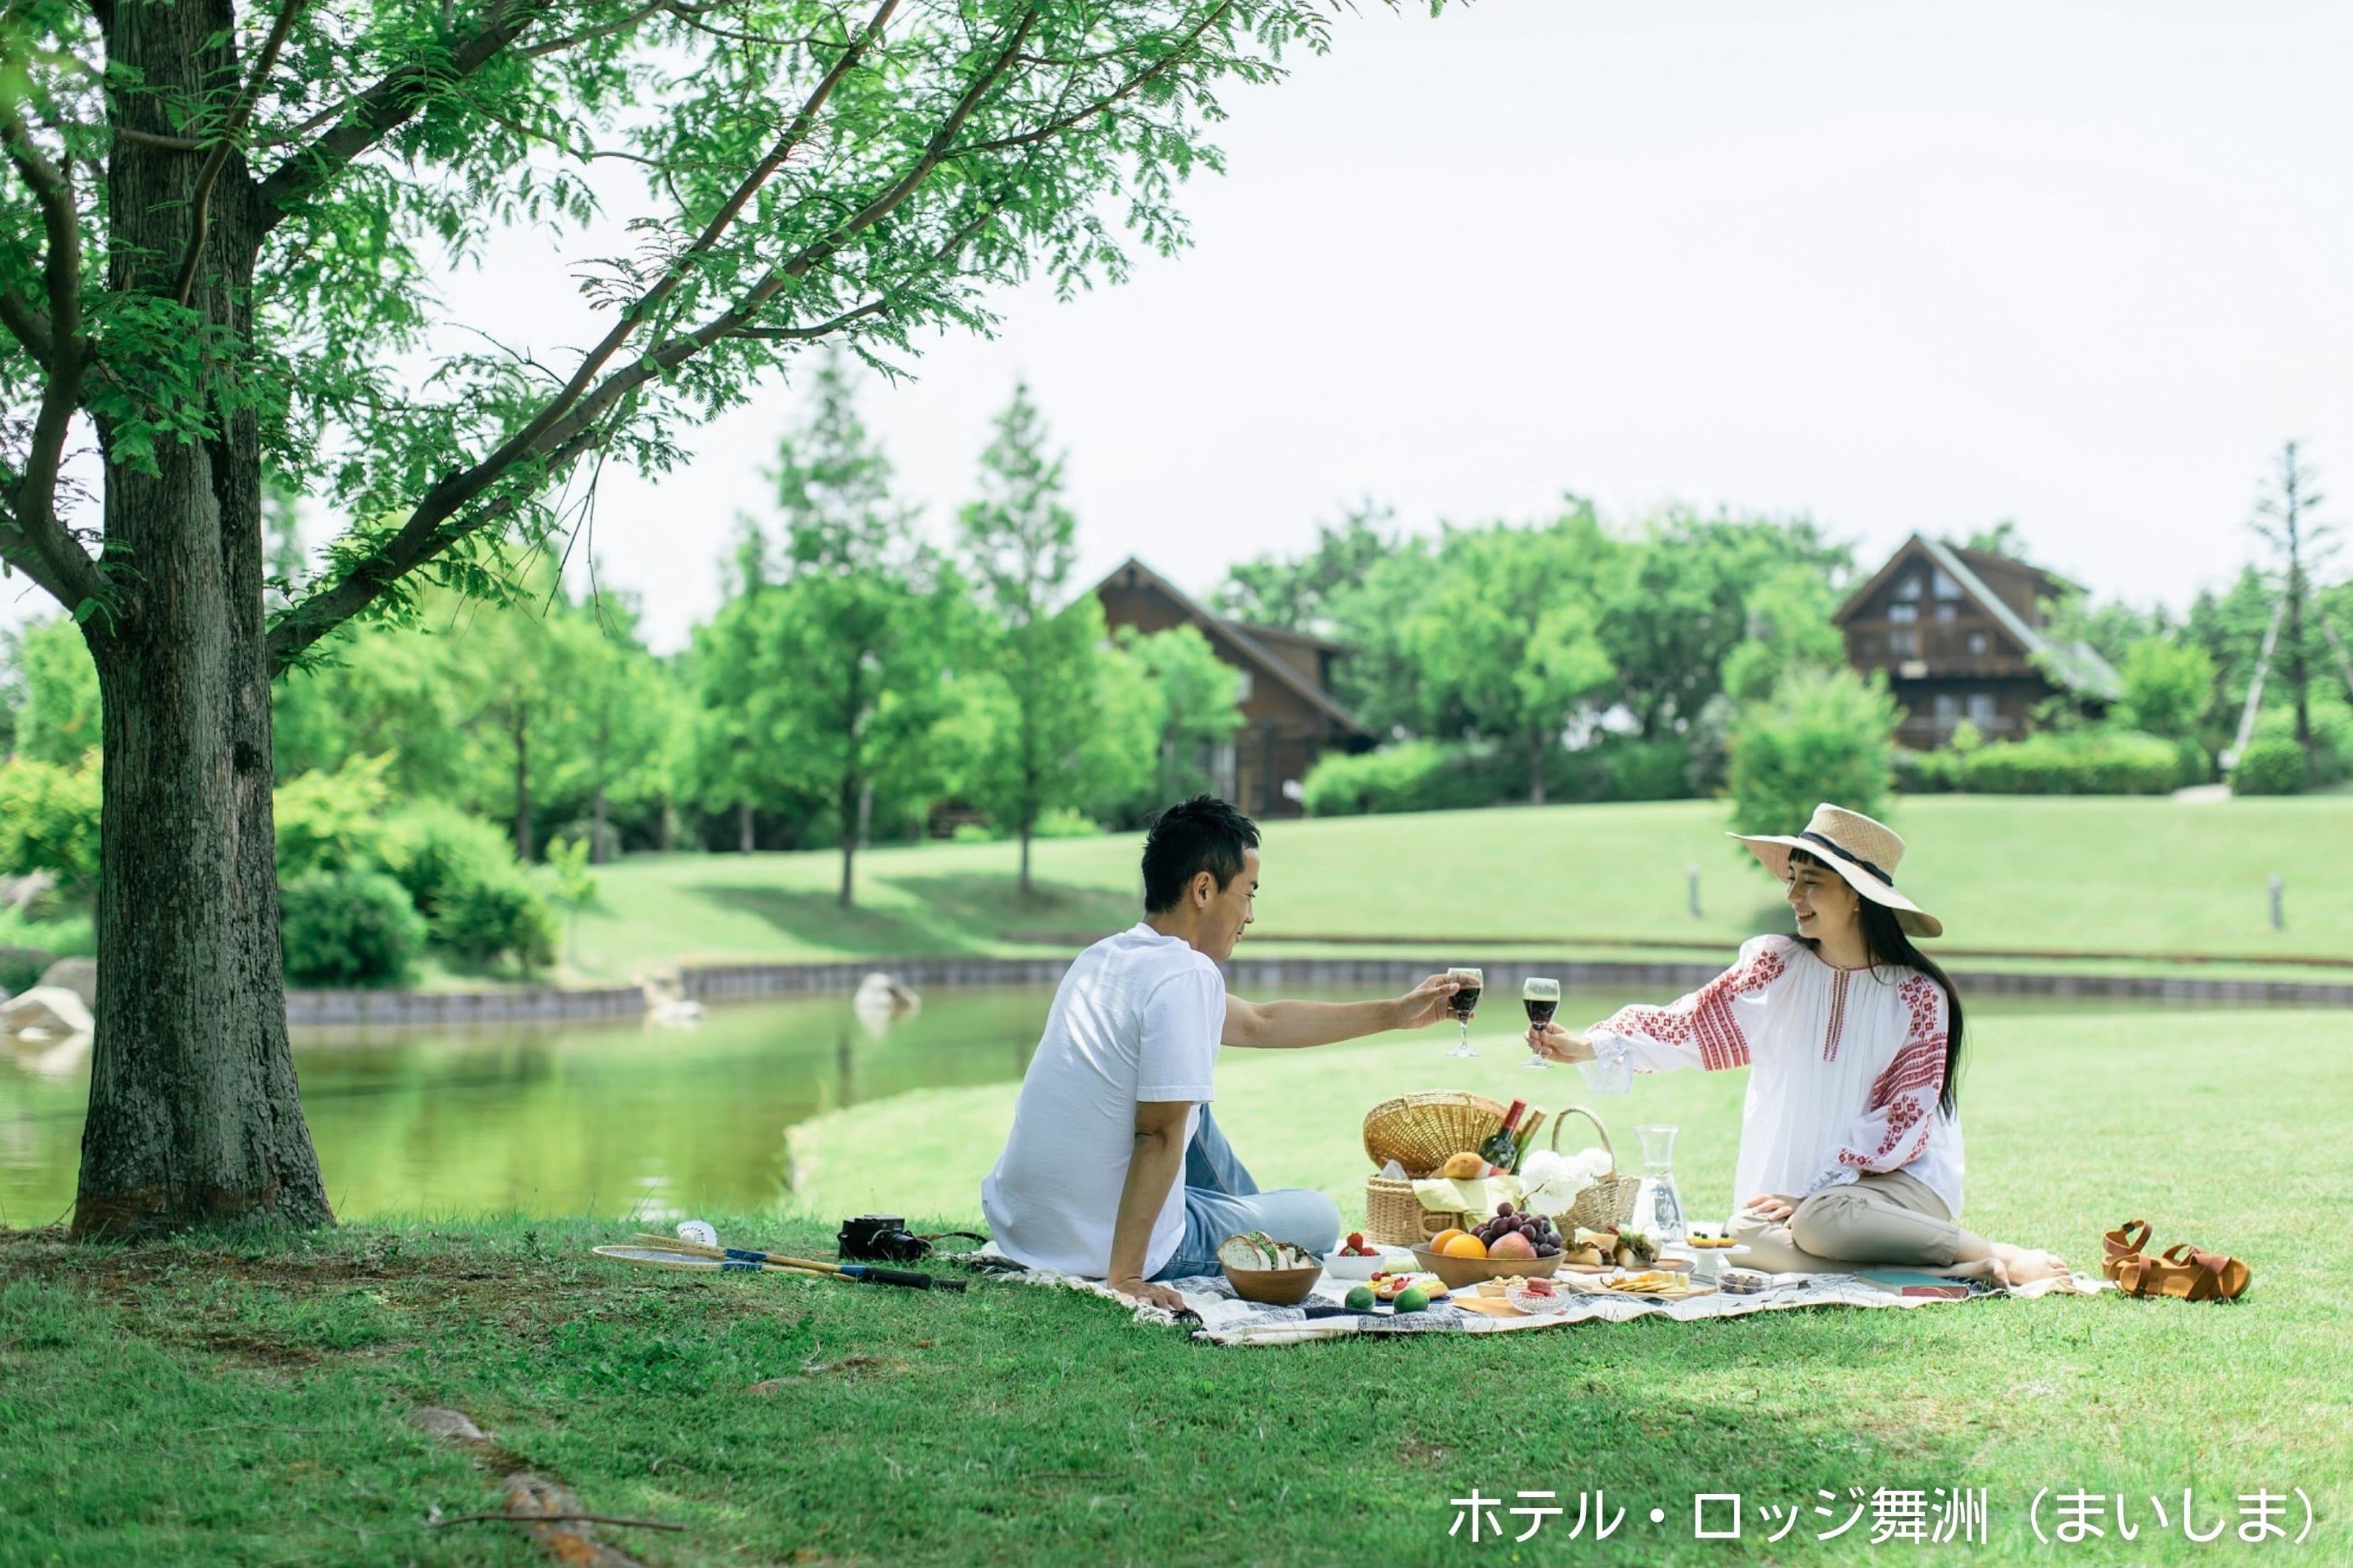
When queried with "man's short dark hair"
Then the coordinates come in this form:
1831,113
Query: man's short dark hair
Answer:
1202,833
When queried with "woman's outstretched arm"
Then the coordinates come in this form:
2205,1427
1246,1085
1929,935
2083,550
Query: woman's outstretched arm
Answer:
1698,1030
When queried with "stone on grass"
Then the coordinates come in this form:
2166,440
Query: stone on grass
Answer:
46,1013
451,1425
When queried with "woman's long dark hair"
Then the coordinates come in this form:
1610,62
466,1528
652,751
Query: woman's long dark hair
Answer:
1884,938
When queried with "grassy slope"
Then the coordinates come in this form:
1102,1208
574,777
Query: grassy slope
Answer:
2143,876
219,1403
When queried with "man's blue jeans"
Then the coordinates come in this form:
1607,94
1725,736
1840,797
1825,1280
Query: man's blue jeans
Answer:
1221,1199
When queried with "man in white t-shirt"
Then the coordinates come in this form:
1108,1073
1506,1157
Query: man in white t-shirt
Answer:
1115,1101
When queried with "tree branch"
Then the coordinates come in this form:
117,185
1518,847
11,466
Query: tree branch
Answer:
556,45
1057,126
389,104
414,543
567,424
35,499
225,144
329,608
149,139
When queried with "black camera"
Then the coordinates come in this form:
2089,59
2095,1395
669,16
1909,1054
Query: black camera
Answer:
880,1238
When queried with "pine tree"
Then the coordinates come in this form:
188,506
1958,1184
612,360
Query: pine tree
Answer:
1021,542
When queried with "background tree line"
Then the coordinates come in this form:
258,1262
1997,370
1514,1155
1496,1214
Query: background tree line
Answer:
855,684
449,777
1691,654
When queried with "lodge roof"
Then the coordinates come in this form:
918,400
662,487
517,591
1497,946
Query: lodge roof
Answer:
2074,664
1244,638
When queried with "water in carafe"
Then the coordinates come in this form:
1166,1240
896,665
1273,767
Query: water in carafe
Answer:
1657,1202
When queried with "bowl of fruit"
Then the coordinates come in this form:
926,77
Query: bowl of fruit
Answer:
1272,1273
1511,1246
1355,1258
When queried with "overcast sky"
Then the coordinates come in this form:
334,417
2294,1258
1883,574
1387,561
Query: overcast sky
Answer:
1900,267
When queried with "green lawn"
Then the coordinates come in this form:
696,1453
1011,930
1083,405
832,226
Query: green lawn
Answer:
2136,876
223,1400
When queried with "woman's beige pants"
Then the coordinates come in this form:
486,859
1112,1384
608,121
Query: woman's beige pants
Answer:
1876,1219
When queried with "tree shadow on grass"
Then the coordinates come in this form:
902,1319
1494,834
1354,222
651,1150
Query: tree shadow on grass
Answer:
817,919
950,914
992,906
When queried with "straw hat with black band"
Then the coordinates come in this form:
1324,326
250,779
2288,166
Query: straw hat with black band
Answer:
1864,852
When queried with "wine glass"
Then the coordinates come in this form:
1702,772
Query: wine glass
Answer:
1468,984
1543,999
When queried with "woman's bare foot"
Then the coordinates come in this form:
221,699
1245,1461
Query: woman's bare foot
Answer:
2025,1265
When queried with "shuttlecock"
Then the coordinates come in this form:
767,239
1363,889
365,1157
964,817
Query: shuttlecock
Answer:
697,1230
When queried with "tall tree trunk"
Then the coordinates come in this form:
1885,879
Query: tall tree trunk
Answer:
1028,829
522,784
1537,768
597,856
846,806
193,1110
2298,677
744,844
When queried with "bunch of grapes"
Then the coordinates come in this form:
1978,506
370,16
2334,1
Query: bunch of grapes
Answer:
1536,1227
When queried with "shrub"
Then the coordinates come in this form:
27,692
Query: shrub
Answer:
1626,768
58,936
1929,773
476,900
1413,775
2169,686
2270,767
1825,736
335,822
347,928
1066,822
48,822
2331,757
500,914
2084,761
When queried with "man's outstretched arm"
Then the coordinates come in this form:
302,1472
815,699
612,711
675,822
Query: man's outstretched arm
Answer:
1287,1026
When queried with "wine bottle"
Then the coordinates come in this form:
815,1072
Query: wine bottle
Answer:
1502,1147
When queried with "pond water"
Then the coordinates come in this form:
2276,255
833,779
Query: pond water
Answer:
595,1119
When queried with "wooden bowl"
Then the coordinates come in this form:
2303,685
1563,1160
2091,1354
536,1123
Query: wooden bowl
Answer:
1458,1272
1274,1286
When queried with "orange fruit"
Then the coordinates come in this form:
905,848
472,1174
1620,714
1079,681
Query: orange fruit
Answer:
1464,1245
1438,1243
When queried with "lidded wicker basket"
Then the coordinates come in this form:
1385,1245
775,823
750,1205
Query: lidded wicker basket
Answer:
1418,1131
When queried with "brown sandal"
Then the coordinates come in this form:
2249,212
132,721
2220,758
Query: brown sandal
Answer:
2123,1244
2184,1271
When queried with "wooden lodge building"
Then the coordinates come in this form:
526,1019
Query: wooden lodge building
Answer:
1290,717
1961,633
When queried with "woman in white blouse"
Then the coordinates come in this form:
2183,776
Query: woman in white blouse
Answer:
1850,1140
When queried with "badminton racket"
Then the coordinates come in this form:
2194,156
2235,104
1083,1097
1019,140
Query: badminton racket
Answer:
865,1271
665,1257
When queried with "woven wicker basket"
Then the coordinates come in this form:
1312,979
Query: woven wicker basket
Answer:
1418,1131
1394,1217
1609,1203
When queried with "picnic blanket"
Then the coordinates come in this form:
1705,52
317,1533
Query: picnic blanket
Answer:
1220,1317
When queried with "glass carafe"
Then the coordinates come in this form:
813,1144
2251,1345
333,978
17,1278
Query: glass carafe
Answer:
1658,1202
